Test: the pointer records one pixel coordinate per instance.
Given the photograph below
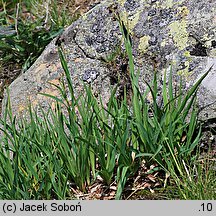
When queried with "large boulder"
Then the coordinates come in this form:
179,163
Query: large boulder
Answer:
163,32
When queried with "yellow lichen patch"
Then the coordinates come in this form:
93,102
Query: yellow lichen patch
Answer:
187,54
207,40
212,53
184,72
124,18
84,16
178,30
208,44
183,11
130,20
144,43
133,21
168,3
121,2
163,43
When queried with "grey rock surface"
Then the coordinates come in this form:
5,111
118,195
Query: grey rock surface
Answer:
164,32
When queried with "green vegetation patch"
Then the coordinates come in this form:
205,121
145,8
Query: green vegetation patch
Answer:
83,142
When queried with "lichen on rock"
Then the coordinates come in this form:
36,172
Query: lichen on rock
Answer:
144,43
178,30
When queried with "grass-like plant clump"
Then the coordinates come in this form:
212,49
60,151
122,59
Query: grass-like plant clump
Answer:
68,148
26,27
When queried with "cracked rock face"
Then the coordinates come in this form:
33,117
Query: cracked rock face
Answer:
164,32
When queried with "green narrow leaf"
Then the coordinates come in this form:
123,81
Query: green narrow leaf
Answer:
121,183
191,92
